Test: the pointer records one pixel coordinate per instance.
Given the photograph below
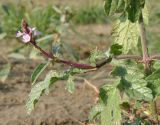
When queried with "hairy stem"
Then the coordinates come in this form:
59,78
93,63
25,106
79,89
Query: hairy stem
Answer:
147,61
146,58
84,66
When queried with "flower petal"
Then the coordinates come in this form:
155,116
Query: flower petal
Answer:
19,34
33,29
26,38
36,33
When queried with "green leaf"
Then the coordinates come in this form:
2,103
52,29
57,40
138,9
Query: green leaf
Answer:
95,111
110,6
138,86
43,86
103,95
113,6
111,114
120,7
96,54
4,72
155,86
38,70
70,87
116,49
126,34
119,71
156,65
134,10
154,76
139,90
146,13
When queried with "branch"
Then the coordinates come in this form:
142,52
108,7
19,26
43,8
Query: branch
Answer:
146,58
155,57
84,66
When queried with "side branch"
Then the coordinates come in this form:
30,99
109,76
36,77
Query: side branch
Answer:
83,66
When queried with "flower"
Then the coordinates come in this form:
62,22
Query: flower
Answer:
27,33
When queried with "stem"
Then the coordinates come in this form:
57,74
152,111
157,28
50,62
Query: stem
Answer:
146,58
70,63
48,55
147,61
82,66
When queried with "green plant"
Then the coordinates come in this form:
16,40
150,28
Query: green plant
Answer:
136,78
89,14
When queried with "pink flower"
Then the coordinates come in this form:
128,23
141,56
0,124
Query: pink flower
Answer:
27,32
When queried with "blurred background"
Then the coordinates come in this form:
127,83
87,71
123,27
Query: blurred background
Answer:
71,29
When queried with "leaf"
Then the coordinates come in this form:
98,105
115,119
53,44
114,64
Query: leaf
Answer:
156,65
138,89
113,6
43,86
110,6
126,34
154,76
95,111
70,87
96,54
120,7
111,115
4,72
16,56
134,10
116,49
39,89
155,86
119,71
146,13
38,70
103,95
132,82
46,37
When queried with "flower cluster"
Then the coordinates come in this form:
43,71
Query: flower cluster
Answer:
27,33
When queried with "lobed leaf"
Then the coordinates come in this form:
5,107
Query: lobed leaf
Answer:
126,34
43,86
111,114
138,88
